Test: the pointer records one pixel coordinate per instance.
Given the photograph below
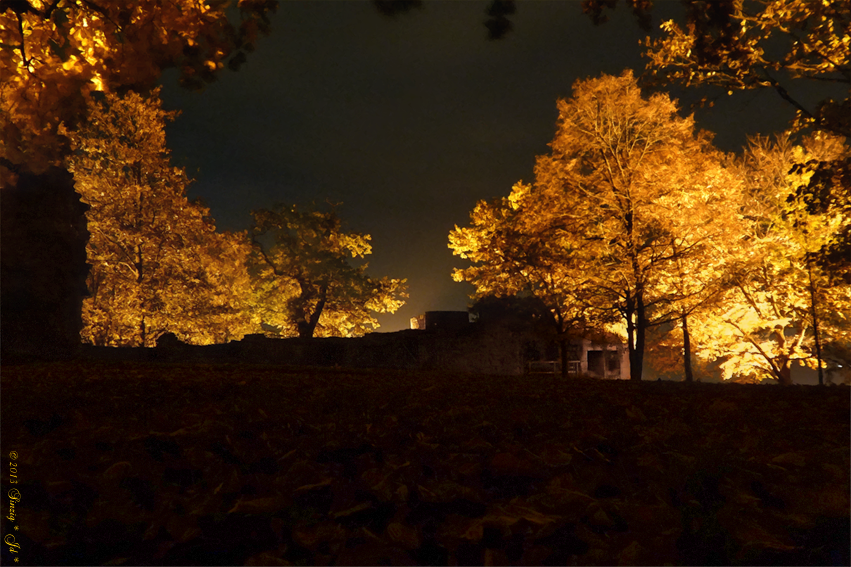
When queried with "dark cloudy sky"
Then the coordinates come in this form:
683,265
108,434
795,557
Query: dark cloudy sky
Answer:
406,121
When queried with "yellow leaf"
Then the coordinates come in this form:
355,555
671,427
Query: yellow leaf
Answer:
118,470
306,487
353,509
268,505
790,459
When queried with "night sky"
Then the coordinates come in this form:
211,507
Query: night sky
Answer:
408,121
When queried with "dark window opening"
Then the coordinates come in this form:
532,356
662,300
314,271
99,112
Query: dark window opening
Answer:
613,362
595,362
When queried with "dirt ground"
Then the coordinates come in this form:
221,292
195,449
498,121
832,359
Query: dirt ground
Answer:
159,464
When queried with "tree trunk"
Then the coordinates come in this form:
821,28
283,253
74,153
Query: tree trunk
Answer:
636,358
630,336
562,347
306,328
298,310
815,321
784,375
687,351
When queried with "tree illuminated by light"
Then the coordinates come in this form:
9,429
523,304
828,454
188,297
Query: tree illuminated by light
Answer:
157,263
303,282
764,44
54,54
615,211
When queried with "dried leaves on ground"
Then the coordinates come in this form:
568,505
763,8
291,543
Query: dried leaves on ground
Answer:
158,464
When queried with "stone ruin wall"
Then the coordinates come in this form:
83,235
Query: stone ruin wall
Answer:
468,350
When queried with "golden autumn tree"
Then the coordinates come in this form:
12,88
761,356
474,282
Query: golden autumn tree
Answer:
609,214
764,44
827,191
516,249
778,45
304,284
703,224
157,263
779,299
55,53
819,211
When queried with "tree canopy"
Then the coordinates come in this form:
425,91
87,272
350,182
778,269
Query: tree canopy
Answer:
157,263
54,54
777,297
764,44
304,283
622,201
778,45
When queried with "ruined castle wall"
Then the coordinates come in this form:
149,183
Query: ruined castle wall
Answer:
468,350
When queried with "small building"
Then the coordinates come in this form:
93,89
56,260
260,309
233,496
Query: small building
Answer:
604,360
441,320
608,360
530,346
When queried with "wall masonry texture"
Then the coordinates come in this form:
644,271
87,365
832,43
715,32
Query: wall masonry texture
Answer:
469,350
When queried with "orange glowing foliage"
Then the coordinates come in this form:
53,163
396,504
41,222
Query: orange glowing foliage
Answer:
619,214
158,265
55,53
303,282
795,230
764,321
764,44
511,254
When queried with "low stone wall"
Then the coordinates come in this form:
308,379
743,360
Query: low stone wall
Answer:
469,350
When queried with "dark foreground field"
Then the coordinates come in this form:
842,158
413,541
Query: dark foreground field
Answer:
181,465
